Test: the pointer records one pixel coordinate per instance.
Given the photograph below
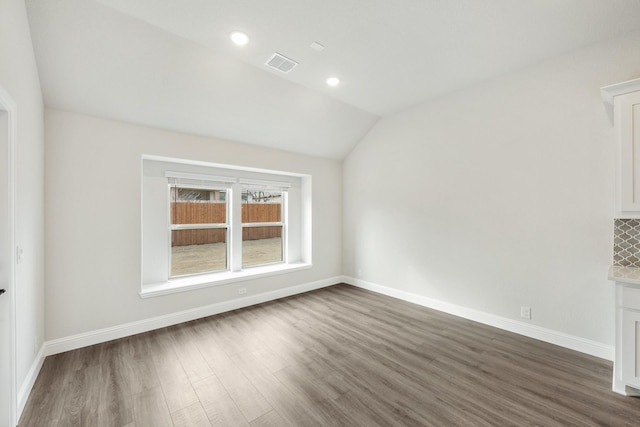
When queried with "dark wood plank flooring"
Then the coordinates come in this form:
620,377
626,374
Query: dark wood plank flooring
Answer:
339,356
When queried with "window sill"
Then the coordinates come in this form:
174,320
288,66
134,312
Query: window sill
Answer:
207,280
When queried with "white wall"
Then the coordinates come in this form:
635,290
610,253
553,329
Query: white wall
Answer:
497,196
19,77
93,209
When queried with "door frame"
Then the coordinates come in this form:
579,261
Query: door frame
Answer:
7,104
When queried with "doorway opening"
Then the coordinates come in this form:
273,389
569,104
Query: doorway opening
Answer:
8,380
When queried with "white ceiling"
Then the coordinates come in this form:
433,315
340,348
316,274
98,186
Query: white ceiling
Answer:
170,64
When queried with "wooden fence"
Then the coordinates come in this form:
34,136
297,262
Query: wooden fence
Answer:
208,213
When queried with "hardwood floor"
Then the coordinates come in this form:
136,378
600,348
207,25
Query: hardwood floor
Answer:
339,356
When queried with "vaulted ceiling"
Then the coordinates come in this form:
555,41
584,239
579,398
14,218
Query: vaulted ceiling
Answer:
170,63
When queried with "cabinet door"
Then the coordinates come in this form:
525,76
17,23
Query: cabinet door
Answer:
631,348
628,129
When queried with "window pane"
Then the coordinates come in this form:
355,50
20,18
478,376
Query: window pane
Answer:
261,245
261,206
198,251
198,206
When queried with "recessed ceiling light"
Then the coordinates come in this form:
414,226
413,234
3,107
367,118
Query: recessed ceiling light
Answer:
239,38
333,81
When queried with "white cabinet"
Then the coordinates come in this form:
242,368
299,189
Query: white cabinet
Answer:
627,124
630,357
622,101
626,369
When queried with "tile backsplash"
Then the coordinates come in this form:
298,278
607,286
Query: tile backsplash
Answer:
626,242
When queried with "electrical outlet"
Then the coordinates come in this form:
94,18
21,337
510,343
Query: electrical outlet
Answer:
242,291
525,312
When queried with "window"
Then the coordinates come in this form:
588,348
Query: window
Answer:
263,226
205,224
199,230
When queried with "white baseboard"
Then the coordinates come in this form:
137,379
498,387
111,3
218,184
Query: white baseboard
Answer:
107,334
29,381
543,334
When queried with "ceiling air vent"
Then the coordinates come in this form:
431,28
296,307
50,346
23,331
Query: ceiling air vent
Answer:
281,63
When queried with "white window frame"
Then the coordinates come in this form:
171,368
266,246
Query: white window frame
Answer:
208,185
232,178
276,187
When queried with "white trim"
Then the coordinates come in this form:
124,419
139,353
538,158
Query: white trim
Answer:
7,104
225,277
213,179
220,165
107,334
608,93
279,185
179,227
30,380
262,224
572,342
234,216
307,219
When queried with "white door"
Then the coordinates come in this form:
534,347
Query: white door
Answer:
7,382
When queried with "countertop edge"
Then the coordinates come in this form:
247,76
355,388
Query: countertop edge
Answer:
624,274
